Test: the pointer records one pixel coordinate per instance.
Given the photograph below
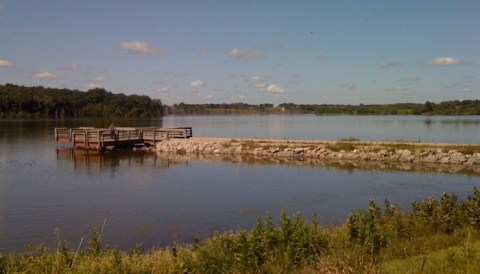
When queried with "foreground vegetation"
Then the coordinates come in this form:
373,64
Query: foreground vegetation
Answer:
436,236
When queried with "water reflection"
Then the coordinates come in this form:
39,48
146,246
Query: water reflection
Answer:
89,159
153,198
110,160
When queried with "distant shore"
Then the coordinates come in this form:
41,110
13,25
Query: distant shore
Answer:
449,158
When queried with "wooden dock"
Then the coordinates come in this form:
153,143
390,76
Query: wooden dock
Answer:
100,138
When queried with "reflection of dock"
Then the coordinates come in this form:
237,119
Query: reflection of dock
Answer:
97,160
100,138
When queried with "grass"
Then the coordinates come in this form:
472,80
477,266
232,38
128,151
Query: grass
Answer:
352,143
435,236
345,146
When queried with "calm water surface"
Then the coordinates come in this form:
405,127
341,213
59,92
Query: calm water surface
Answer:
46,189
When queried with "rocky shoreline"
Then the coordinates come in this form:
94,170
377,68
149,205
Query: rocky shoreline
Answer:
435,155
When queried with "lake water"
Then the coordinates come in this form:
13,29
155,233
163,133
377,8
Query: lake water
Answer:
48,191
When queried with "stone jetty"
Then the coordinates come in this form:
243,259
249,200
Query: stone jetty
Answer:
382,152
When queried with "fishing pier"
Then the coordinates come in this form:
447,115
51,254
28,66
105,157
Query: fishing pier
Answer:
102,138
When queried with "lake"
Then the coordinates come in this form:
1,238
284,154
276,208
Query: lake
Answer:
50,192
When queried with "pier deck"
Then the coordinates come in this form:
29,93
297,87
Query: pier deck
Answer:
100,138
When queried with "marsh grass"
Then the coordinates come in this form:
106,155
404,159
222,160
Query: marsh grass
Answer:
338,146
435,236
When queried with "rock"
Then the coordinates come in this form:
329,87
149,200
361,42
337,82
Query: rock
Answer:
383,156
238,150
383,152
298,150
406,153
458,158
284,154
445,160
274,150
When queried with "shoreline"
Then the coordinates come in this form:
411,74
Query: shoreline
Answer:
439,157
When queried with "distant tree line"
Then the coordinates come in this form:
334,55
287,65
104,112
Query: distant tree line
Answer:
466,107
235,108
32,102
39,102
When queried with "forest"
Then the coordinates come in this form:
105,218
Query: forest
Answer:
40,102
465,107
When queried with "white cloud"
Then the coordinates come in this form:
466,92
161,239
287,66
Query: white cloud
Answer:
410,79
443,62
140,48
99,78
45,75
467,88
349,86
93,86
396,89
272,88
71,67
252,55
5,64
162,89
204,96
204,51
172,73
197,84
238,98
256,82
389,65
255,79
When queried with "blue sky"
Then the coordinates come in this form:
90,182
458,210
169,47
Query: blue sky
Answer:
313,52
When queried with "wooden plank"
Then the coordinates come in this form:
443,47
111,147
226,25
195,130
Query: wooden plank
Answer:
99,138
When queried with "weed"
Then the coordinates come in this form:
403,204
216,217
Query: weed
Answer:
338,146
437,236
349,139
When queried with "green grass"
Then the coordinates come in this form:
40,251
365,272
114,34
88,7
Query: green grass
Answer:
435,236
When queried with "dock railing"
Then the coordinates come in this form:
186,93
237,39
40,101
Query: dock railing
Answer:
100,138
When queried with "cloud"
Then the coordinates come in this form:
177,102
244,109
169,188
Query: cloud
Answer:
443,62
45,75
389,65
141,48
162,89
349,86
238,98
172,73
95,82
272,88
396,89
72,67
99,78
197,84
252,55
321,57
256,82
93,86
204,51
259,83
205,96
255,79
5,64
410,79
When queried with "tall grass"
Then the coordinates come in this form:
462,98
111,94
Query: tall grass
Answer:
435,236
